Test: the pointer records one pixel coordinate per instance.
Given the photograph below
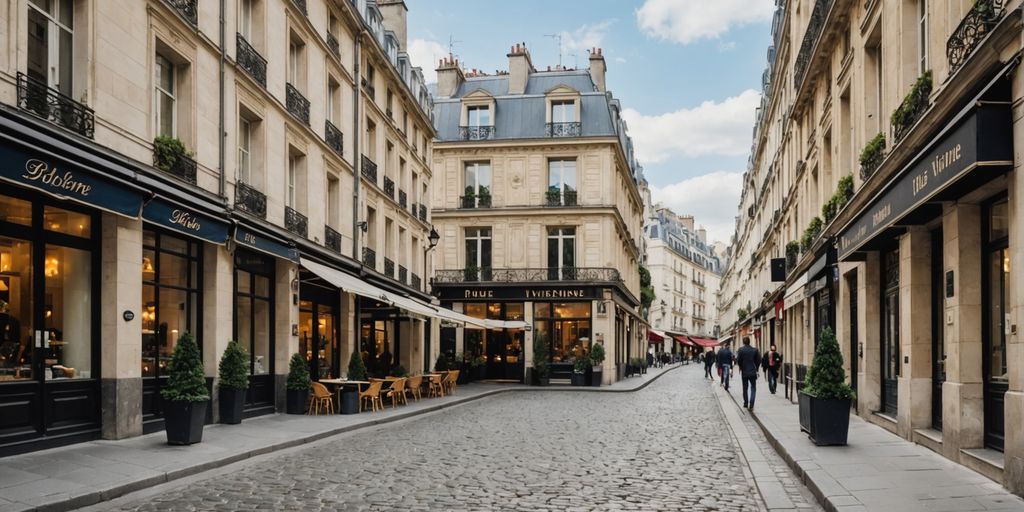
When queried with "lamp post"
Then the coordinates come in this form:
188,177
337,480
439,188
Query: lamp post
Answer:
432,239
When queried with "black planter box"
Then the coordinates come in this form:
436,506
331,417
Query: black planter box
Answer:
464,374
296,401
183,421
479,372
595,378
350,402
830,421
579,379
805,412
230,403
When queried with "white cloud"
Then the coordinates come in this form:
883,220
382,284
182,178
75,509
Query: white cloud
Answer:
425,54
727,46
585,37
712,199
709,129
686,21
620,60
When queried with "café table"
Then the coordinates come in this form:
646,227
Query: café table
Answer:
342,383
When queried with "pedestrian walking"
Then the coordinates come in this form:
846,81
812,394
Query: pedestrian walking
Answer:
770,363
725,361
709,362
748,360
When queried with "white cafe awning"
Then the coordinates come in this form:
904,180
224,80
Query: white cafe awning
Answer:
794,294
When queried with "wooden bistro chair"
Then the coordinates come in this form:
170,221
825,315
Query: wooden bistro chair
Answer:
413,385
450,382
372,393
397,393
436,385
321,398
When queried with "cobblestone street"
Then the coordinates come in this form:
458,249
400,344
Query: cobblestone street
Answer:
666,447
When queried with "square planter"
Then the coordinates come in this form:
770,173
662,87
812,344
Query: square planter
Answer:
350,402
579,379
827,422
183,421
805,412
230,403
595,377
296,401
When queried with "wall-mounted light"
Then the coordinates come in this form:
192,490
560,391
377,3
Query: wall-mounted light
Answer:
363,226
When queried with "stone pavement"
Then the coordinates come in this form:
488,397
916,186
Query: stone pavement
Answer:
877,470
86,473
665,447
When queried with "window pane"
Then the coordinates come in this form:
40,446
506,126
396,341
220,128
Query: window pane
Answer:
572,310
38,47
484,175
999,222
569,174
165,115
15,310
243,279
328,340
67,222
471,253
262,286
68,313
485,253
15,211
542,310
172,316
552,252
998,292
150,337
261,337
173,270
475,310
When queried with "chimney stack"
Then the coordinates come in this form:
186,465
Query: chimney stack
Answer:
519,68
597,69
449,77
395,14
702,234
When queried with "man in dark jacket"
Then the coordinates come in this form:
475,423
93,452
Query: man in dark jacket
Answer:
709,362
770,364
725,361
748,359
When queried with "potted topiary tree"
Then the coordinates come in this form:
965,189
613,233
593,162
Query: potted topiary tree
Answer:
232,383
297,386
350,395
441,365
579,371
541,370
597,360
185,396
825,398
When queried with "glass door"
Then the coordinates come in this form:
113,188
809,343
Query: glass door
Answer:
318,339
938,330
254,318
890,354
996,298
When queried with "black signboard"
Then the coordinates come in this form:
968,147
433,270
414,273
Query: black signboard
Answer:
250,238
562,293
982,139
186,220
778,270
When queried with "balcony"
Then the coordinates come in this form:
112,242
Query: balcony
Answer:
332,239
296,103
332,43
250,60
810,41
403,274
416,282
368,169
334,138
560,198
187,9
250,200
563,129
36,98
370,90
296,222
912,108
697,283
369,258
973,29
476,132
469,202
527,275
389,187
301,6
179,165
423,212
403,199
389,268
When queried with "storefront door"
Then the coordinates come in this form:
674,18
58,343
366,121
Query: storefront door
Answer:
854,338
318,334
890,353
49,353
938,332
996,298
254,321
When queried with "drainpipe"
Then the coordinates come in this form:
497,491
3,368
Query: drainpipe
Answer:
356,156
222,184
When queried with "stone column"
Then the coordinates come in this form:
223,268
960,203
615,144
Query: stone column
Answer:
346,322
218,311
1013,444
869,315
963,409
286,314
915,380
121,341
842,302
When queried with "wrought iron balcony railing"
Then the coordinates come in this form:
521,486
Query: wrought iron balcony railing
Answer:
369,257
332,239
415,282
368,169
250,200
563,129
301,4
403,274
296,103
35,97
389,187
334,138
389,267
697,283
476,132
296,222
369,88
560,198
814,27
976,25
403,199
475,201
332,43
423,212
250,60
187,9
178,165
414,209
527,275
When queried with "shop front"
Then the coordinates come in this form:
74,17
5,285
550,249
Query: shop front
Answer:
319,326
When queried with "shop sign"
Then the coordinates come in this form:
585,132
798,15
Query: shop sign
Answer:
66,181
248,238
982,139
185,220
519,293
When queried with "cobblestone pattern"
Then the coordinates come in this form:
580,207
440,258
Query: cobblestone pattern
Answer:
666,447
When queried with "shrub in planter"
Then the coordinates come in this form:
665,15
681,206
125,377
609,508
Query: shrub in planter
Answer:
399,371
478,367
825,398
350,395
232,383
597,361
167,150
185,396
541,370
297,386
579,371
441,364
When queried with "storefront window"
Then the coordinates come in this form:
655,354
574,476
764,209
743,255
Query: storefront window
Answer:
170,297
67,313
253,311
567,328
15,309
15,211
67,222
998,290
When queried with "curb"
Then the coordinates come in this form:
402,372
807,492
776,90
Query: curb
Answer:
744,463
119,490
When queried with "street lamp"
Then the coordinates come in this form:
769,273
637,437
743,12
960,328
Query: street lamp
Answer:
432,239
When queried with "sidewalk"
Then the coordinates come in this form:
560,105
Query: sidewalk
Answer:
87,473
877,470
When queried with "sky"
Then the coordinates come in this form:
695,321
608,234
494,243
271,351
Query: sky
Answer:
688,74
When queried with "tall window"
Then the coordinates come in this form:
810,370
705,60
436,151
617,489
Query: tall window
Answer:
294,62
245,19
922,35
563,111
165,98
333,101
50,36
244,150
998,307
478,252
479,116
293,172
561,253
333,200
561,182
478,185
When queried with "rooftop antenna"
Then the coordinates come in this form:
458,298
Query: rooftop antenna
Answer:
451,44
559,37
575,60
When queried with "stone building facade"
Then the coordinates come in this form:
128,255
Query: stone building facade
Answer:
897,125
537,204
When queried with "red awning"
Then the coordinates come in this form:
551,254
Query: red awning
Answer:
704,342
655,337
685,341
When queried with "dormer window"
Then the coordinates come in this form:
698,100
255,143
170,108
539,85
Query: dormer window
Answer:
563,113
477,116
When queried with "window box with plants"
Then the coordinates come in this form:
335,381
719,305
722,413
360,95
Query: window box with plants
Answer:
597,360
185,397
871,156
232,383
825,398
297,386
171,156
350,394
541,372
811,234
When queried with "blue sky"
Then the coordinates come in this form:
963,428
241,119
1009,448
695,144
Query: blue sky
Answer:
688,73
